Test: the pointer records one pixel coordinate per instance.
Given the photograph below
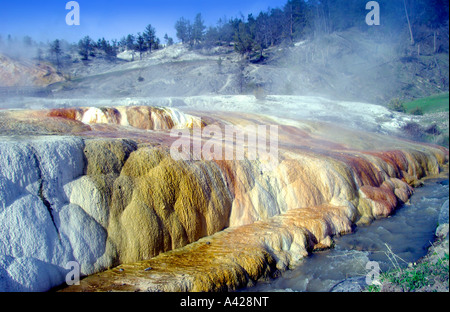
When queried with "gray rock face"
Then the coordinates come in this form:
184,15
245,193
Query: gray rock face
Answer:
443,215
442,230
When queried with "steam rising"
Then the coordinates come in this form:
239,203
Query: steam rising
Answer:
337,56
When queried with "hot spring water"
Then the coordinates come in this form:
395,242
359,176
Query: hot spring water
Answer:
408,233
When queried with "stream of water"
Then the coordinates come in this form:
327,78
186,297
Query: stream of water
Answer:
409,233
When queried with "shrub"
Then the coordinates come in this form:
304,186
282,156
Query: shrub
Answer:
417,111
433,130
397,106
413,130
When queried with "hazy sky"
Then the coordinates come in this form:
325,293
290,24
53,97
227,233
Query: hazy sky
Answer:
46,19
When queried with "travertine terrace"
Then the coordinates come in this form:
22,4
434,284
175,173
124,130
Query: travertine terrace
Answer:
99,186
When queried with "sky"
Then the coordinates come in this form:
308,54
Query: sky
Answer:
45,20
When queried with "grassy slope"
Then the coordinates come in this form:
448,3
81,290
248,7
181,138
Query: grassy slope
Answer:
434,112
433,104
423,277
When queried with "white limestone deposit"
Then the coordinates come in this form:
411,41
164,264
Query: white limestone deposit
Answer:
40,231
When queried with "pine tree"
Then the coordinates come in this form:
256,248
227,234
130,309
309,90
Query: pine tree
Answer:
198,29
140,45
55,49
130,42
85,47
122,44
211,36
262,32
157,44
169,40
149,36
112,49
295,18
243,41
225,31
184,30
276,28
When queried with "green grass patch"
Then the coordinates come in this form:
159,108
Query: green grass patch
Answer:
432,104
413,279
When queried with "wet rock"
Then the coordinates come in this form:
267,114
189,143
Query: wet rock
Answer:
324,244
443,221
354,284
444,213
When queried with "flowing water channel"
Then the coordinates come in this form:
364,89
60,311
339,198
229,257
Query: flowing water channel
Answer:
408,233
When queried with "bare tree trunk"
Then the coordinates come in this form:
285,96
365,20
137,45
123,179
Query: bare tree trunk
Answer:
434,43
443,80
58,62
240,75
291,23
409,23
